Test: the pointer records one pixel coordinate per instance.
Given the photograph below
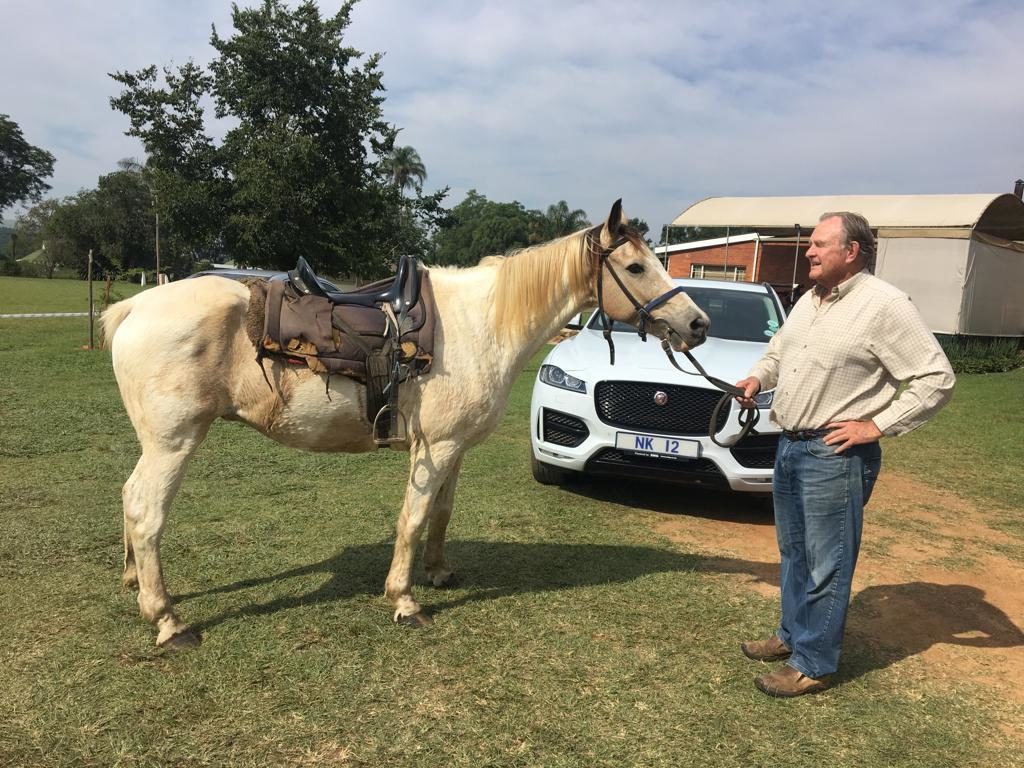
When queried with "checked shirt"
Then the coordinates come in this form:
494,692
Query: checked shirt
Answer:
843,356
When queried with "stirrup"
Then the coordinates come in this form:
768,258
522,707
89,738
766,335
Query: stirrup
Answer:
382,424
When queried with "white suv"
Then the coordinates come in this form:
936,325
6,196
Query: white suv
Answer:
641,417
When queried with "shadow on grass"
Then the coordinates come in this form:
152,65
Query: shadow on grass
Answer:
887,623
712,504
492,569
891,622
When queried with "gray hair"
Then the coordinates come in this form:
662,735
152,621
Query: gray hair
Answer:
856,230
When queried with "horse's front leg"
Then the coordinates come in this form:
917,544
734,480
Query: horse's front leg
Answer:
430,466
438,569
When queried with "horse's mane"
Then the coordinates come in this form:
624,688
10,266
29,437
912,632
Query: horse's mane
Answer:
538,277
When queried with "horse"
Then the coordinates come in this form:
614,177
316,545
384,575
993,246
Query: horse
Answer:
183,358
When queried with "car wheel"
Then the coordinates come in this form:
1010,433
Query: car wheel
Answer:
545,474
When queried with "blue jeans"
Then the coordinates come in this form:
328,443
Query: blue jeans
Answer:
819,514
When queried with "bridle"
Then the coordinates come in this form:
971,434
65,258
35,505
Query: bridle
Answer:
644,318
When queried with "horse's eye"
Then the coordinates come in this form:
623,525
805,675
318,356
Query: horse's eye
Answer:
636,269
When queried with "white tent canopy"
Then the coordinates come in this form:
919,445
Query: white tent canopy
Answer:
959,257
1001,215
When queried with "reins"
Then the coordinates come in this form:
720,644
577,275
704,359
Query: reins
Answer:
748,417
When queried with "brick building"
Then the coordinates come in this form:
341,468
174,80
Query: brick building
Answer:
747,258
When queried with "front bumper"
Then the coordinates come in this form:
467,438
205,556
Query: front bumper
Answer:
567,433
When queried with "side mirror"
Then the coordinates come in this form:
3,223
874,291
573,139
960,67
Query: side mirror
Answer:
575,322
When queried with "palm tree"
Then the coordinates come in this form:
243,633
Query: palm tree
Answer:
561,221
406,168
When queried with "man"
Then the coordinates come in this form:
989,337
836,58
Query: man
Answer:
836,365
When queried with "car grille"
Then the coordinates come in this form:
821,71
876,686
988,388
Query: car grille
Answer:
563,429
631,404
757,452
612,461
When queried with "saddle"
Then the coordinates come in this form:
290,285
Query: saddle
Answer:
380,335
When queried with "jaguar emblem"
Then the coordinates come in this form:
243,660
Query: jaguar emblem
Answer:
660,398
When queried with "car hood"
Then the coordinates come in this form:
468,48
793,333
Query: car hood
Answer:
585,356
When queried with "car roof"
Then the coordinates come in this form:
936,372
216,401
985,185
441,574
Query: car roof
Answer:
238,274
696,282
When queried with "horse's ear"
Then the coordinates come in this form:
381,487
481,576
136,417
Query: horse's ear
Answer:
614,218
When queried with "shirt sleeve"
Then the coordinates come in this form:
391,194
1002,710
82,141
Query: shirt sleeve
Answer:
911,354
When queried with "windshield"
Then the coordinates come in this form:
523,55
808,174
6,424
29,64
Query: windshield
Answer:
735,315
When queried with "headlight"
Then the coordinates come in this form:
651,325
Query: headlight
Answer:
556,377
764,399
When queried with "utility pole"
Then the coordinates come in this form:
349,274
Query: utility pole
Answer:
796,258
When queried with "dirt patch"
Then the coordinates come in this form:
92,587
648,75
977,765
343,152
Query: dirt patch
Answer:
933,583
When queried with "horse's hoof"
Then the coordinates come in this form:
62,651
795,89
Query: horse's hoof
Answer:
415,620
130,583
446,582
182,641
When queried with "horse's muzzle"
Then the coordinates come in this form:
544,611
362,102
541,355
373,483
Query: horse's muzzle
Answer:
681,342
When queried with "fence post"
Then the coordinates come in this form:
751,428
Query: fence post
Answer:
90,300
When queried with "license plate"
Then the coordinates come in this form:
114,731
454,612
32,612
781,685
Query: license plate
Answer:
657,445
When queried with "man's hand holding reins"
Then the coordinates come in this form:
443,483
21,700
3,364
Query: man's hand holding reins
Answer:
750,386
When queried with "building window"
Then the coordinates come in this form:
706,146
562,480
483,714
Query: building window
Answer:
718,272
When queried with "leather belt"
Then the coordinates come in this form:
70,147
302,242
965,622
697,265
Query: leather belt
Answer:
805,434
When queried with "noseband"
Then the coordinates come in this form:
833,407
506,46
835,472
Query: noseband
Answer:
748,416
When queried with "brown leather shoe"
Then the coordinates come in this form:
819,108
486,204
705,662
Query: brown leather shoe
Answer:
787,682
771,649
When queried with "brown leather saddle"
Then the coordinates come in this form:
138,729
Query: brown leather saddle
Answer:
380,334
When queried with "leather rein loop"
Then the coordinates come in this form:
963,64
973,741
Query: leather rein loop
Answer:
748,416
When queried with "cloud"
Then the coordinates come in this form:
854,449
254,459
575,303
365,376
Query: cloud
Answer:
661,103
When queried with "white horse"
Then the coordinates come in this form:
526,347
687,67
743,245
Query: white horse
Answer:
183,359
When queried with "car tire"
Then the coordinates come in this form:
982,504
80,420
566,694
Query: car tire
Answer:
545,474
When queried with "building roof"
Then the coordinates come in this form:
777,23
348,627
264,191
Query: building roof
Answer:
710,243
1001,215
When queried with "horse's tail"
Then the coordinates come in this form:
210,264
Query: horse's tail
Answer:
112,317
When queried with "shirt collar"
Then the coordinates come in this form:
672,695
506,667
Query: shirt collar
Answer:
841,290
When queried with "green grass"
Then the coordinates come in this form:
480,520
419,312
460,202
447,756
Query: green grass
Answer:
974,446
34,294
577,637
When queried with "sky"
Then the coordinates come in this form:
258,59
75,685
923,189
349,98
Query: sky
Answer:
660,103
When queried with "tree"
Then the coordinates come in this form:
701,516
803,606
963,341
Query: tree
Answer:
30,227
559,220
37,234
641,226
406,168
478,227
22,166
115,221
302,172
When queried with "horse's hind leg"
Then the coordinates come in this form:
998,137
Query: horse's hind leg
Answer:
435,560
147,498
130,575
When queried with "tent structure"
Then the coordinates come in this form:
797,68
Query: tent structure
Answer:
959,257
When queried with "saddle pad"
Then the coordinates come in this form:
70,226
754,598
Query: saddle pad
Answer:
306,327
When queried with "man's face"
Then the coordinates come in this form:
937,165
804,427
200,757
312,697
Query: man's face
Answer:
830,262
